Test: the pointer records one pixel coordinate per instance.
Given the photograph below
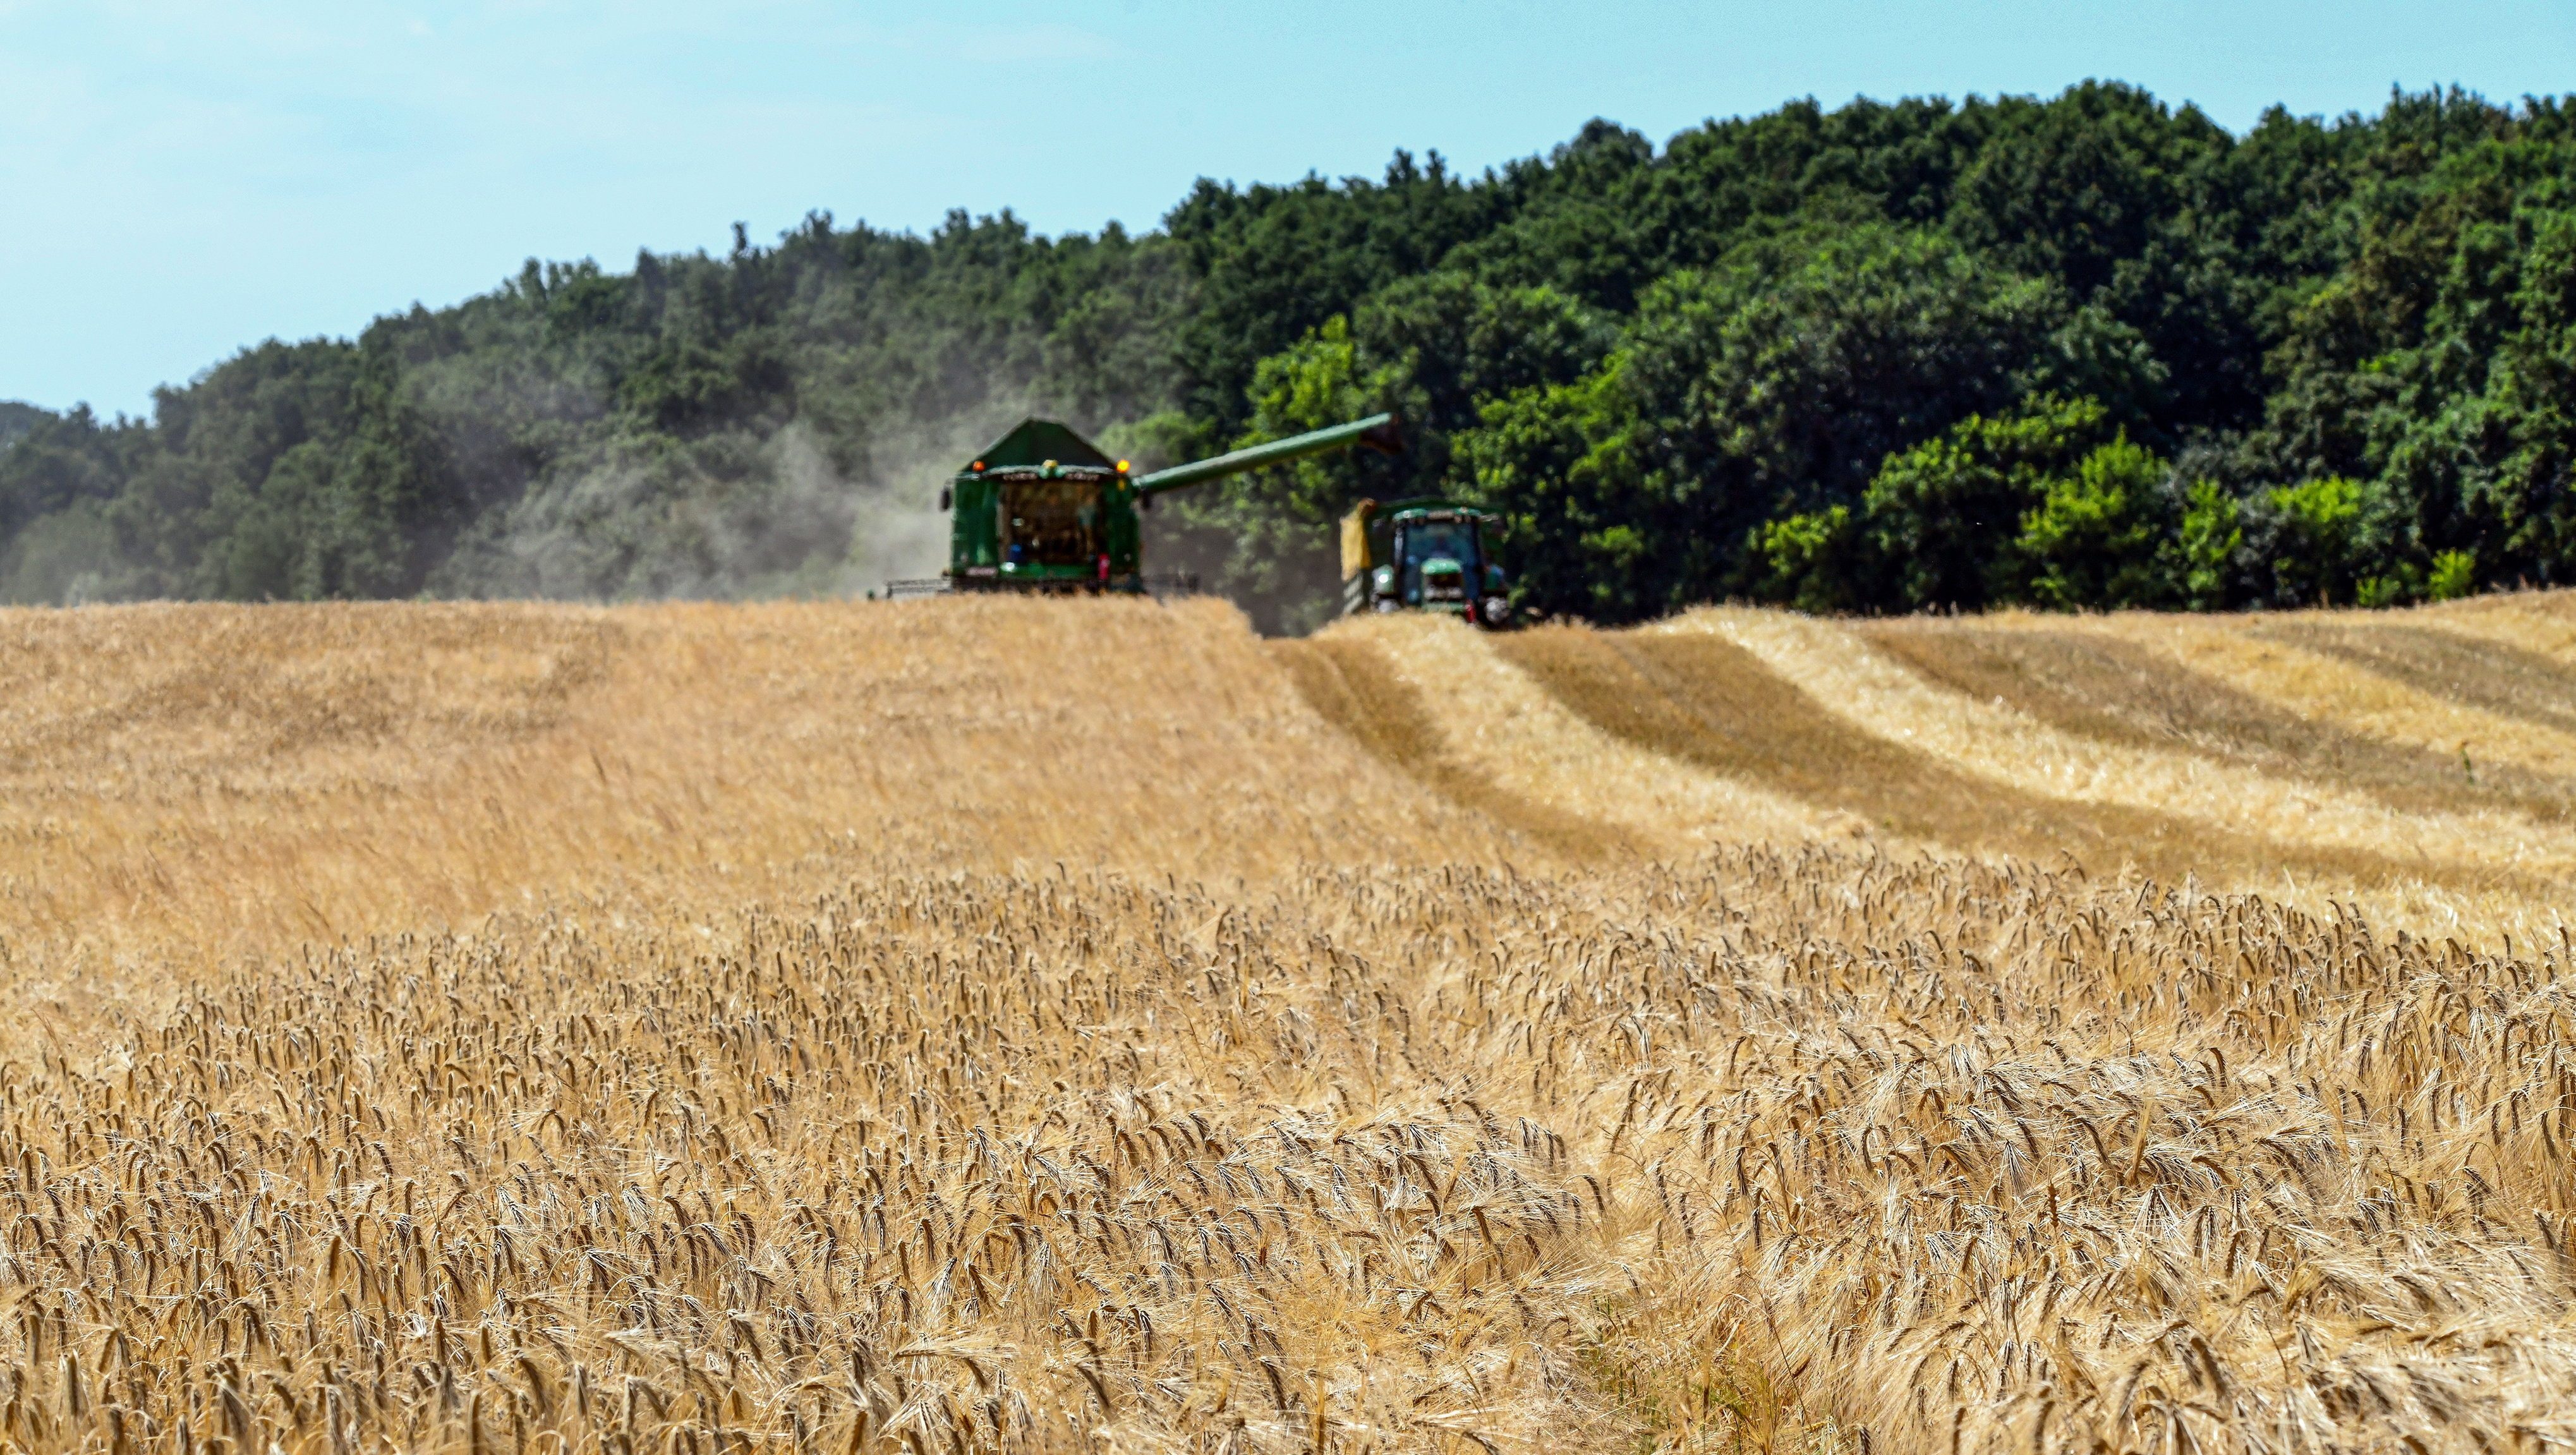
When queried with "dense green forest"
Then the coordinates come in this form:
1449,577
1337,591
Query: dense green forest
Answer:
2090,351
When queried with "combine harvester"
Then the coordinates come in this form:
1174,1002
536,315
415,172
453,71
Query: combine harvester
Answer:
1043,510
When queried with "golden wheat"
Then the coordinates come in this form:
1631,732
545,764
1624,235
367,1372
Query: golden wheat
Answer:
1053,1026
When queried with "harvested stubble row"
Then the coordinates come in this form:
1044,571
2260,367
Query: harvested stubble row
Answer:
1779,1149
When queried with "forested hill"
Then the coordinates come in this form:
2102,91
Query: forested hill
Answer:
17,419
2089,351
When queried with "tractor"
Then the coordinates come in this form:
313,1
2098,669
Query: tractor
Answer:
1423,554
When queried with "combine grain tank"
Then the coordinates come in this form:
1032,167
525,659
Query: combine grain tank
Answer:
1425,554
1043,510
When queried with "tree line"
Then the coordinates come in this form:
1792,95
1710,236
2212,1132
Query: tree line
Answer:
2088,351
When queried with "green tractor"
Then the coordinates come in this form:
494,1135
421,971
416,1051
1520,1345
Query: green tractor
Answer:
1043,510
1424,554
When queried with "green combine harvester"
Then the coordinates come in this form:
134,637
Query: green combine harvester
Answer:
1424,554
1043,510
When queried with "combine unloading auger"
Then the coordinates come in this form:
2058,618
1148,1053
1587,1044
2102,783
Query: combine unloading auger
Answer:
1378,432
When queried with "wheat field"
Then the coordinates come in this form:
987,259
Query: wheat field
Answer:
987,1025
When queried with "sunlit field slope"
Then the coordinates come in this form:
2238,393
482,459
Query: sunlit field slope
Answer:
1084,1026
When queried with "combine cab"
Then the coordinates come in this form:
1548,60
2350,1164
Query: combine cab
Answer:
1423,555
1043,510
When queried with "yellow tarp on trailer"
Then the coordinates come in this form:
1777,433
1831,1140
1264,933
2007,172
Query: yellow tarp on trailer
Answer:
1355,542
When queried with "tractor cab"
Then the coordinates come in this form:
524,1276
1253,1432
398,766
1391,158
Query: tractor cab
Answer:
1423,555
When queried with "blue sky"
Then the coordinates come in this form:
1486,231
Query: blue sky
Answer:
178,180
